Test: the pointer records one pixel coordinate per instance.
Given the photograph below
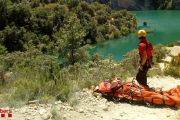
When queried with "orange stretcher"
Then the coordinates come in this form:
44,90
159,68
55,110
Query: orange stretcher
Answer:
132,91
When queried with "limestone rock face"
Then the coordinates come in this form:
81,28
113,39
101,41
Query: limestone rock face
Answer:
137,4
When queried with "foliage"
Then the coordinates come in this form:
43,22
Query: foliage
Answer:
96,20
2,49
160,52
19,14
171,44
173,69
44,43
164,5
55,114
155,71
3,10
12,38
149,31
72,40
39,76
131,61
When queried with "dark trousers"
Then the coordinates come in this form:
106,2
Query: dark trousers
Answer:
141,76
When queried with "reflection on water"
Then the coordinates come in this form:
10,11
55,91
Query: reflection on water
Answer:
165,26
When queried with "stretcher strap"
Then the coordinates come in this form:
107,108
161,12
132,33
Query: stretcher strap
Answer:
148,104
130,92
162,97
141,93
122,89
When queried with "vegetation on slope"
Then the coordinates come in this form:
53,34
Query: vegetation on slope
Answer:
43,49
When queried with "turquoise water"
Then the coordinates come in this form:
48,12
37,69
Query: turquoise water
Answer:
165,26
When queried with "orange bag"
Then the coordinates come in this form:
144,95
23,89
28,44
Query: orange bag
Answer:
132,91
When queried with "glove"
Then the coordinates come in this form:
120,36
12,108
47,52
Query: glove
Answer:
141,67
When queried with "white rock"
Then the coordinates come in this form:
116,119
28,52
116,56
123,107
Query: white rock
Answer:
94,103
23,111
46,116
81,110
42,111
70,108
105,107
41,105
49,105
99,97
33,102
58,108
95,113
64,116
28,118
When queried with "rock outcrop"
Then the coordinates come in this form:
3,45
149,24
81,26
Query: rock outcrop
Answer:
137,4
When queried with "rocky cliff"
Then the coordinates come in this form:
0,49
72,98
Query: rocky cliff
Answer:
141,4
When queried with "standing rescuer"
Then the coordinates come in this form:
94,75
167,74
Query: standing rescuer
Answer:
145,52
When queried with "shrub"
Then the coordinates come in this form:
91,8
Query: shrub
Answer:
155,70
171,44
131,61
55,114
173,69
160,52
149,31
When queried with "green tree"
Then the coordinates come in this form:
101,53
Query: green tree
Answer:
72,38
59,16
34,3
124,30
72,3
19,14
3,13
164,5
42,22
30,36
13,38
45,39
2,49
100,39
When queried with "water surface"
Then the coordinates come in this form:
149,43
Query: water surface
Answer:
165,26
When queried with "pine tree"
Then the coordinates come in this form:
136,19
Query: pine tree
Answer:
71,39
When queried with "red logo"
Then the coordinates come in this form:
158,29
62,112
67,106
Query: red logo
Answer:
4,112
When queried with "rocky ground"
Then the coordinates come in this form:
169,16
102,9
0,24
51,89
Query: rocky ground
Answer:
92,107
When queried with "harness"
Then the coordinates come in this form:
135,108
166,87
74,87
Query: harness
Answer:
148,61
